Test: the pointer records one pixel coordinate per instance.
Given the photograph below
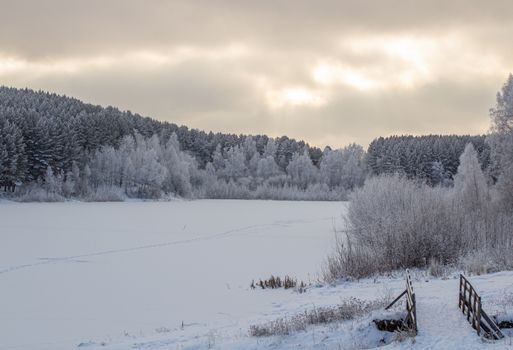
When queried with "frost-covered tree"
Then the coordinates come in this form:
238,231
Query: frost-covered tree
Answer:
75,179
267,168
501,142
106,167
235,165
84,180
353,172
178,177
302,171
249,148
68,185
52,183
344,167
332,165
270,148
470,187
146,174
217,158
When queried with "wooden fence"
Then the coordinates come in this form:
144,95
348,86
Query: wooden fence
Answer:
470,305
411,305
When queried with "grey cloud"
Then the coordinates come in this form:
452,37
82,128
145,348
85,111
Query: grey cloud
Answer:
203,96
284,39
439,108
47,28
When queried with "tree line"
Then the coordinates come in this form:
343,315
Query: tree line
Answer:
431,158
55,147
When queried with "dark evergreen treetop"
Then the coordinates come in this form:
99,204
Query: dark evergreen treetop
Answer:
432,158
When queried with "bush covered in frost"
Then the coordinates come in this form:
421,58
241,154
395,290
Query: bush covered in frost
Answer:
395,223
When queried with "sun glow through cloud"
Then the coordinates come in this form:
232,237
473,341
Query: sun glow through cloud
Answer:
9,65
330,74
295,96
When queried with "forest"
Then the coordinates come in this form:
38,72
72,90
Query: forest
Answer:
55,147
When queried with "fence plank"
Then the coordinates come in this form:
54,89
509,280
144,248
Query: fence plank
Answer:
411,308
395,300
478,325
471,306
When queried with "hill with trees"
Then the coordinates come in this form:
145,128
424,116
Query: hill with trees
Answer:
61,147
54,147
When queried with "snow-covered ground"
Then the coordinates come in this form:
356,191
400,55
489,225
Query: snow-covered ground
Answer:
176,275
71,273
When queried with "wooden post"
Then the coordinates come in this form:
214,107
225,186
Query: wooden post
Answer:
460,299
478,316
414,314
411,308
466,294
474,308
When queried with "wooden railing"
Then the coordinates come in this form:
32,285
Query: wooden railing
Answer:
470,304
411,305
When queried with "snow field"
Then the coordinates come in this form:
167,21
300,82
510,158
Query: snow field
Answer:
71,273
176,275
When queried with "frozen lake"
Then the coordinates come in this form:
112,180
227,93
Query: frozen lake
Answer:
71,273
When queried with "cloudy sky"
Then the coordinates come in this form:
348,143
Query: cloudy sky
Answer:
328,72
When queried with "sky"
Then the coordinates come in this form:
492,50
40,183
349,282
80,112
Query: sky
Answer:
327,72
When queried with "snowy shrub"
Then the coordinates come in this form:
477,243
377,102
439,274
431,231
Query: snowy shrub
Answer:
346,310
221,189
437,269
501,306
486,261
315,192
240,189
476,263
396,223
348,260
106,193
34,193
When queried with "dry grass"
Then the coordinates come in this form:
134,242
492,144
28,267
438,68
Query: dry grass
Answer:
277,282
347,310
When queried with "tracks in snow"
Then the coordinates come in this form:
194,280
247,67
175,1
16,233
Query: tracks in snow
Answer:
440,320
76,258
